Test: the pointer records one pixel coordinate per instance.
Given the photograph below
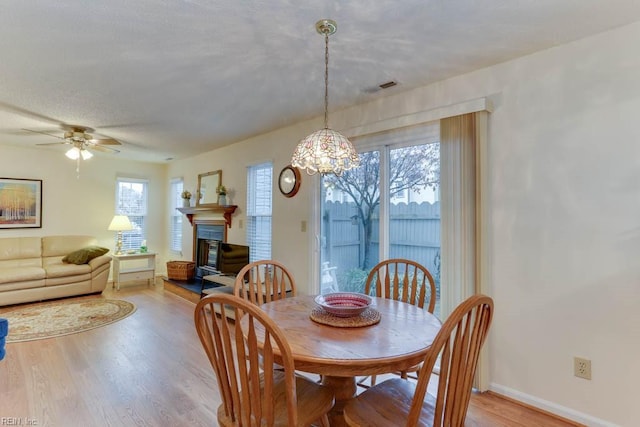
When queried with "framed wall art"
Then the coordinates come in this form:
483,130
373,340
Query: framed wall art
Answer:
20,203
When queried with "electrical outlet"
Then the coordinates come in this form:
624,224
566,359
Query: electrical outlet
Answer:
582,368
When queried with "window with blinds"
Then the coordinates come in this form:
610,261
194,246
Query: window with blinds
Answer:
259,185
131,200
175,234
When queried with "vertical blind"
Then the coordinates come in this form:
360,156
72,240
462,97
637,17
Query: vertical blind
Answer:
175,233
131,200
259,185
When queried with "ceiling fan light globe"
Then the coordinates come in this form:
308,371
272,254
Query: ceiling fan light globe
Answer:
73,153
86,154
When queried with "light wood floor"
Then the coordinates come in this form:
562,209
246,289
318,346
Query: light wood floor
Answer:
149,370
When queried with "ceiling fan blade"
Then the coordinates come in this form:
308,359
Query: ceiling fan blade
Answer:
126,125
105,141
44,133
103,148
55,143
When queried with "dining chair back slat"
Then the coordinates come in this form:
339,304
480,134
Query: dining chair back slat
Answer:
402,280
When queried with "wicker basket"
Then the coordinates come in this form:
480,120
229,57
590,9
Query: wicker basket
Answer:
181,270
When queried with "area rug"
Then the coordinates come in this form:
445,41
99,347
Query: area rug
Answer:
63,317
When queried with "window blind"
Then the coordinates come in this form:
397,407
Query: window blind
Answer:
175,233
259,203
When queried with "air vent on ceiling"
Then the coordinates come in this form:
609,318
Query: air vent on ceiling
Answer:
388,85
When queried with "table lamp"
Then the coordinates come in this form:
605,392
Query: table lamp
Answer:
120,223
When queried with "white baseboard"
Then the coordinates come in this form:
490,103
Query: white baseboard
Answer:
551,407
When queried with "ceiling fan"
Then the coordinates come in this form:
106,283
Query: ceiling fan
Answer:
81,142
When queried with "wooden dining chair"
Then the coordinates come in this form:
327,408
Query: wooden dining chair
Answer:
402,280
264,281
252,396
400,402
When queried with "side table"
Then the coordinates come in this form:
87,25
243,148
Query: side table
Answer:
122,274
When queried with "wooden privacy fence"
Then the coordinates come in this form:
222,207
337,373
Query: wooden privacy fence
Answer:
414,231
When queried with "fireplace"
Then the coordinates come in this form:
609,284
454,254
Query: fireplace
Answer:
205,238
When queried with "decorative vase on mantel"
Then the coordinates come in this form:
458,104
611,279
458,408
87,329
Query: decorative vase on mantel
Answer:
186,203
222,199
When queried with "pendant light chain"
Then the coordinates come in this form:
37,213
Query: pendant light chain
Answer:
326,79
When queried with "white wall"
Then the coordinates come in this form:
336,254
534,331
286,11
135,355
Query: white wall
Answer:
85,205
565,182
564,174
566,218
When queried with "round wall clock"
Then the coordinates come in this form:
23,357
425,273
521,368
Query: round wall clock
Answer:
289,181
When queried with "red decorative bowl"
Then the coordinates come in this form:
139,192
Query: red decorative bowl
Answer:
344,304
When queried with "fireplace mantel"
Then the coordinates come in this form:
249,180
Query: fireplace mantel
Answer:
226,212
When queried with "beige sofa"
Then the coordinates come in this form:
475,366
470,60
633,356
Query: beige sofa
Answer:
31,269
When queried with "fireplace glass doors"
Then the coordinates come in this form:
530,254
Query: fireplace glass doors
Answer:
208,237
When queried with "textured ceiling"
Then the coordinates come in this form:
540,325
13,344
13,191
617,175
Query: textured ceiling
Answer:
171,78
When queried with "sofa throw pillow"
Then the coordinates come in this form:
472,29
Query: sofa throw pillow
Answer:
84,255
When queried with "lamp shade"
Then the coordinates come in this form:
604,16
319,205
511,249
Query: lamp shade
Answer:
325,151
120,223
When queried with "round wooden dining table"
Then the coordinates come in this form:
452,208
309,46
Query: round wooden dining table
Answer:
399,341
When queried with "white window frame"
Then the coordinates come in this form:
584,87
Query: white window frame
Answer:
137,215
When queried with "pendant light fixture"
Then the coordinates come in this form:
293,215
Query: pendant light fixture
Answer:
325,151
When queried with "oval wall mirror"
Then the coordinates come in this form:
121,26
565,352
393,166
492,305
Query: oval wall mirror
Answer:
208,183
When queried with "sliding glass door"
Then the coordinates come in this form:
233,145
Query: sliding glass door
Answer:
350,206
387,208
